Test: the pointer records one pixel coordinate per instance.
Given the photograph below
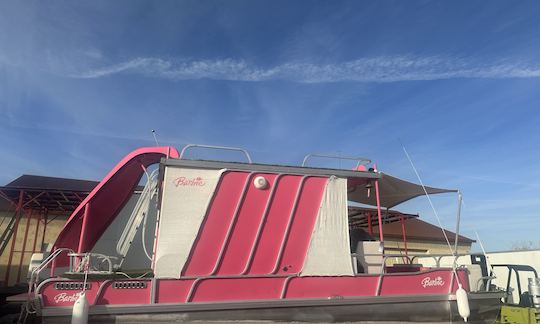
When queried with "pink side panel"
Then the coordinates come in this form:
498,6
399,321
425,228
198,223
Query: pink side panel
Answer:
223,289
115,296
463,279
238,289
172,290
433,282
297,242
211,238
273,230
243,235
53,297
325,287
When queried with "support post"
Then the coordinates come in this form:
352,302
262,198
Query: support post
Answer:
14,236
38,221
45,216
82,238
23,250
370,227
402,220
379,215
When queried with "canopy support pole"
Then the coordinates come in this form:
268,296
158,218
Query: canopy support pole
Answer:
460,199
379,215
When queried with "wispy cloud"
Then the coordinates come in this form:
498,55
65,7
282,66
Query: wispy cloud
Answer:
374,69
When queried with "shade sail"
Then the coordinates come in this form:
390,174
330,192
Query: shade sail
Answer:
393,191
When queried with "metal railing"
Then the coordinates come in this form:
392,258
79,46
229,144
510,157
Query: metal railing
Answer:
359,160
34,275
82,262
225,148
411,258
438,257
78,263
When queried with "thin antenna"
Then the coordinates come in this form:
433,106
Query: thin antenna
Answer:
155,138
483,251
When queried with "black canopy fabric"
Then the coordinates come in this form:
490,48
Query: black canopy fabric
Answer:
393,191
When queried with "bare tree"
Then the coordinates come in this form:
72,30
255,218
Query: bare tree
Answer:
525,245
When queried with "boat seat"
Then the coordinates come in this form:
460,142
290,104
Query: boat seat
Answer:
369,256
475,276
398,268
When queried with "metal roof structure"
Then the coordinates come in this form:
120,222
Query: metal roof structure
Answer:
56,195
362,216
35,197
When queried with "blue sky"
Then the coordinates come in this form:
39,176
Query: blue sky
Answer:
458,82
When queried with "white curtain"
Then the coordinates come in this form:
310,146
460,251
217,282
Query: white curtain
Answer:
185,200
329,249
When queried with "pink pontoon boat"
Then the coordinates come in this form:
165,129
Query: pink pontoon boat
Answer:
244,241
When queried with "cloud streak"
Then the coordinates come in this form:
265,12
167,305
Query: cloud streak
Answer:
376,69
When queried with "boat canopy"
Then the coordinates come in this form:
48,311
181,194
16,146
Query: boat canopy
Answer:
393,191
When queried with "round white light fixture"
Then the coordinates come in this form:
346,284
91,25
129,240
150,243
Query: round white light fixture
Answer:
260,183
